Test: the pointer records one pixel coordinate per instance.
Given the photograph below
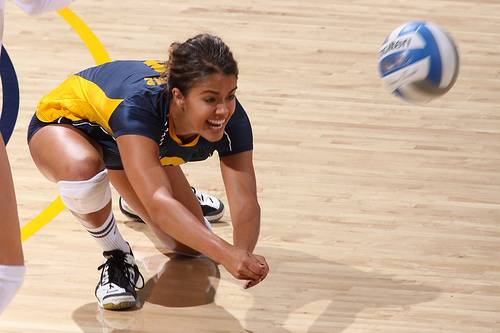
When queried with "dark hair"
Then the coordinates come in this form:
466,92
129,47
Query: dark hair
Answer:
195,59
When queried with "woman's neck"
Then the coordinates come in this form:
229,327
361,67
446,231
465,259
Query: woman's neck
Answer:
178,122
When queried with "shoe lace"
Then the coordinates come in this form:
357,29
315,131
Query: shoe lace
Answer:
118,267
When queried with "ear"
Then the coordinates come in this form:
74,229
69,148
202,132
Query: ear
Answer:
178,97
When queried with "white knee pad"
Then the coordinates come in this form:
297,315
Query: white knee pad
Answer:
86,196
11,279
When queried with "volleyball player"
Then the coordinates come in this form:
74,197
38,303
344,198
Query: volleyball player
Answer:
132,123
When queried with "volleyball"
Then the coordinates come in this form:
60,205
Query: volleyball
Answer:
418,62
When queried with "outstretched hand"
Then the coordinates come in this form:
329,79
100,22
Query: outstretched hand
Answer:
265,267
246,266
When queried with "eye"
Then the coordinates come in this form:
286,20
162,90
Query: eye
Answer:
210,100
231,97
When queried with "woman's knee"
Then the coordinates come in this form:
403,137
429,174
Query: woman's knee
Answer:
80,168
172,243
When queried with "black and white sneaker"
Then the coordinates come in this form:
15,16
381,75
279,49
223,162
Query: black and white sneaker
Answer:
213,208
127,210
119,276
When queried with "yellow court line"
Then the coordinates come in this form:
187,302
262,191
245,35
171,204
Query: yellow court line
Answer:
100,56
93,44
42,219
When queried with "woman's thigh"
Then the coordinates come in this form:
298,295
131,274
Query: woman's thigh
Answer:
182,191
61,152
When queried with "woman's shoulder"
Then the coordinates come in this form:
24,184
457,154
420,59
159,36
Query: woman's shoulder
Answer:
239,116
126,78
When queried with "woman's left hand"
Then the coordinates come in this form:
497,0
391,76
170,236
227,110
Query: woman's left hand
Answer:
265,270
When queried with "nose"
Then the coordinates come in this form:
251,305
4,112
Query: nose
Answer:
222,109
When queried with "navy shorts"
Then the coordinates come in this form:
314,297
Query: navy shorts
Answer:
95,133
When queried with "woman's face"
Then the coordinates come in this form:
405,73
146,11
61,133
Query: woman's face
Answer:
208,105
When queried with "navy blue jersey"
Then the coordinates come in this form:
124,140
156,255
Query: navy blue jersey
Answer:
127,97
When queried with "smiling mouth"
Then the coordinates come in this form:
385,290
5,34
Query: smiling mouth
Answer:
216,123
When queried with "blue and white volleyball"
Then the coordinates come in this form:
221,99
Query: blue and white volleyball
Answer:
418,62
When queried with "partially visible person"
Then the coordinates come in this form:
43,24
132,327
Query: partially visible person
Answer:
12,268
11,254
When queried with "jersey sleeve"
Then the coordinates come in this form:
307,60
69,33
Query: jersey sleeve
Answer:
137,115
238,135
34,7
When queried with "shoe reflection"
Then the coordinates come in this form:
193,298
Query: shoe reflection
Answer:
181,282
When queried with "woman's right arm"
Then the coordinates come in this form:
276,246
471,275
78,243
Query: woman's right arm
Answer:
146,175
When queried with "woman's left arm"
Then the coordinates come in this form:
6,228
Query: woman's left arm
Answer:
241,190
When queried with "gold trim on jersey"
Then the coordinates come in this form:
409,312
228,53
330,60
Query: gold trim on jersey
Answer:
78,99
155,65
171,161
171,132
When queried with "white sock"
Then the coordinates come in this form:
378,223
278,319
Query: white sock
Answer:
108,236
11,279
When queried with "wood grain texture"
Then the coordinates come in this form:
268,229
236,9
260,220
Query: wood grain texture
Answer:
378,216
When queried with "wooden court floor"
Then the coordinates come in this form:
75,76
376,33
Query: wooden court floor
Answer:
377,215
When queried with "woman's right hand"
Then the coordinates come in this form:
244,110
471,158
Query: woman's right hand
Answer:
246,266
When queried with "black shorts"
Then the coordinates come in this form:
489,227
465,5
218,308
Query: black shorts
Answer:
96,133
